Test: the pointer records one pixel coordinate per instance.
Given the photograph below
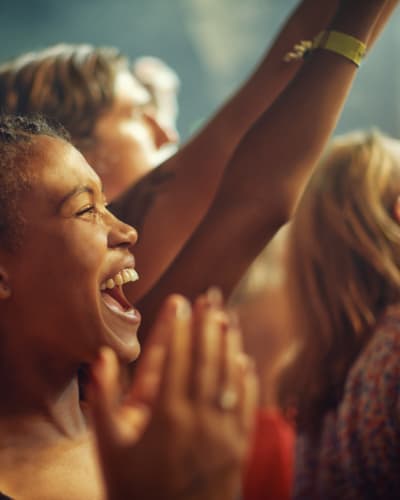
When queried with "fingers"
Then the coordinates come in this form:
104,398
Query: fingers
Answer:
103,396
222,375
175,377
149,370
210,323
147,379
229,374
116,424
202,360
248,393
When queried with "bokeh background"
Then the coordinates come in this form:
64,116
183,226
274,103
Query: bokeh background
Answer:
212,44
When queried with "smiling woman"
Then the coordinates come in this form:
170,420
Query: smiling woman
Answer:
64,260
64,214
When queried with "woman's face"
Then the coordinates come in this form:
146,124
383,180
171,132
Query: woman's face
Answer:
65,279
129,138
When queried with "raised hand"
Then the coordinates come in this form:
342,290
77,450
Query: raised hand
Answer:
183,430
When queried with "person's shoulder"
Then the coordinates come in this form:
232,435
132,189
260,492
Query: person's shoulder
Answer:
385,339
377,368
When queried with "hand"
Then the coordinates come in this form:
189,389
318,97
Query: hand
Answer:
184,431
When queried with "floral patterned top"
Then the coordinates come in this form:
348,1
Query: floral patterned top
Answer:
358,455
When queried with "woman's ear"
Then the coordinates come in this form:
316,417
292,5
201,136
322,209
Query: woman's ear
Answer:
396,209
5,289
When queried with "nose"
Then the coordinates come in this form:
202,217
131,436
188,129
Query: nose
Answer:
162,134
120,234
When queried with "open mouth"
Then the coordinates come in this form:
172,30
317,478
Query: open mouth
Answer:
112,292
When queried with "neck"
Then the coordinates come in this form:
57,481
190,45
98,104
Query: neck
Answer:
40,400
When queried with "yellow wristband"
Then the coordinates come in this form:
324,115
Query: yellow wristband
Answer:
340,43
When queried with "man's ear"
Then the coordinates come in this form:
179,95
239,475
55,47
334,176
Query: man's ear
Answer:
5,289
396,209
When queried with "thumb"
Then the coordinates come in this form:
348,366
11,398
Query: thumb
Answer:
146,381
149,368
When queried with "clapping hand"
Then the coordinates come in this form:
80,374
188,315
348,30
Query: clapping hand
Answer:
183,429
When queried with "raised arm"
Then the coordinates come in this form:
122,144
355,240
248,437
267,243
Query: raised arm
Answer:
167,205
268,169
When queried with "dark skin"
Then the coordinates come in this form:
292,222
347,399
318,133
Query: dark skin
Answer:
251,208
181,429
243,216
51,326
168,204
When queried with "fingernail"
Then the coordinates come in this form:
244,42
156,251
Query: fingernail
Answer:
182,308
245,363
214,296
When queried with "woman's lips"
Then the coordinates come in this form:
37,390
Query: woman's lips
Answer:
122,309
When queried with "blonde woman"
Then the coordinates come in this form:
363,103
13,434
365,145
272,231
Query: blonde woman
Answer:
344,378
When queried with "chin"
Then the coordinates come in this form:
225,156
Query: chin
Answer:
128,354
126,346
120,327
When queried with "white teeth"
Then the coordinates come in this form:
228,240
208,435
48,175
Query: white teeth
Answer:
133,275
118,279
110,283
124,276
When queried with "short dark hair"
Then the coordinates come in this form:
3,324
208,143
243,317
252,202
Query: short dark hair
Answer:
16,148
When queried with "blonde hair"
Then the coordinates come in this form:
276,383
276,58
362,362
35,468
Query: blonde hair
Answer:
69,84
344,269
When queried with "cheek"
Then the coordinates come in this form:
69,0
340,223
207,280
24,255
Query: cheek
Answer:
66,260
126,156
86,249
134,139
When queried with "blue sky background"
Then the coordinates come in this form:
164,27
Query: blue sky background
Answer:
212,44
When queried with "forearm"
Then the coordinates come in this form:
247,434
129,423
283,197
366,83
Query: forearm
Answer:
202,162
273,75
280,150
267,171
183,188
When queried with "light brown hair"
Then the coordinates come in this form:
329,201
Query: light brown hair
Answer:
344,269
70,84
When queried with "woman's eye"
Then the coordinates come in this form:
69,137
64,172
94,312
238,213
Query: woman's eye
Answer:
90,209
